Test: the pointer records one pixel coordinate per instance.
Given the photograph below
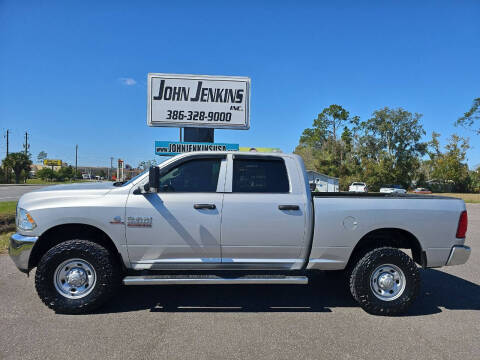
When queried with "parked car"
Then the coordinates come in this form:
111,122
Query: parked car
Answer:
358,187
422,191
389,189
230,218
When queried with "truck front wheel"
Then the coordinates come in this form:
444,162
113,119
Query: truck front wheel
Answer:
385,281
76,276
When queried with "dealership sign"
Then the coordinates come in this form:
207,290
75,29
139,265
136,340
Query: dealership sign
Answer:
169,148
198,101
52,162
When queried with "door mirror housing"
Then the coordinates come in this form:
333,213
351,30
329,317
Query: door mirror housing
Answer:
154,178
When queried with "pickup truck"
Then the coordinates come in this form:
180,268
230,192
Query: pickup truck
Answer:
230,218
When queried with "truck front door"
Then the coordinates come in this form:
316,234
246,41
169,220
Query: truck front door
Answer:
180,225
263,217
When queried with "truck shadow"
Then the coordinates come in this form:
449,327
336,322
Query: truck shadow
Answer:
325,291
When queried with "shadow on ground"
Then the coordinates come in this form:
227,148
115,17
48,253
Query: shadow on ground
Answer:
325,291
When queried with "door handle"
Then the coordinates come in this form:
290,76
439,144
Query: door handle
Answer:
288,207
204,206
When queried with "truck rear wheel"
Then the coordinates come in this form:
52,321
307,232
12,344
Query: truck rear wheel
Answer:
385,281
77,276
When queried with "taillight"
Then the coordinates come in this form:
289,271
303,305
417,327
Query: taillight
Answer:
462,225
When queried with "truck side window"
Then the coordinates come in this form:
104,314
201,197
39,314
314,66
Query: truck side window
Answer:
199,175
260,176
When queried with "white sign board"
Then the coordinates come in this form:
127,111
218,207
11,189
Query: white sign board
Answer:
198,101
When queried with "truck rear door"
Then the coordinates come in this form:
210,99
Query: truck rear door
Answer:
263,217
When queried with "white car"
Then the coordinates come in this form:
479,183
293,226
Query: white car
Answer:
389,189
358,187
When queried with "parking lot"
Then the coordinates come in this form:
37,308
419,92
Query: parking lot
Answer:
318,321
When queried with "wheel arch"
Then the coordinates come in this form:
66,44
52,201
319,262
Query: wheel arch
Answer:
388,237
60,233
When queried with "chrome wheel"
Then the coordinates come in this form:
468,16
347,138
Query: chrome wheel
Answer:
74,278
387,282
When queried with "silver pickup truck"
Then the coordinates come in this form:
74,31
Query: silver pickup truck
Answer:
230,218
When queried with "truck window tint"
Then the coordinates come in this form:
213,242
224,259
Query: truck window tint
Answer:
192,176
260,176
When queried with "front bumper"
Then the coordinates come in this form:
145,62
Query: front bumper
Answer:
20,249
458,255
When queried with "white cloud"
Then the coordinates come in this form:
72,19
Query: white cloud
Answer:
127,81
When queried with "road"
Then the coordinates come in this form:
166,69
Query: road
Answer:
318,321
13,192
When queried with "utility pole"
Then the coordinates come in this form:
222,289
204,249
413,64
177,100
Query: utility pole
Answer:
7,172
8,132
111,168
76,159
26,143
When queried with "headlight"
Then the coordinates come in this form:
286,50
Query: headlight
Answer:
25,220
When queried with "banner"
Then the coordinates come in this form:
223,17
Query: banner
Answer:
169,148
260,149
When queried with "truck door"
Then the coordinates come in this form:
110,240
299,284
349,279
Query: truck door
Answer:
180,225
263,217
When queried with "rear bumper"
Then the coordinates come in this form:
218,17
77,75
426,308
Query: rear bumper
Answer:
20,249
458,255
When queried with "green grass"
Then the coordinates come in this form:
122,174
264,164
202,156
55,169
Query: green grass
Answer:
43,182
4,240
468,198
8,207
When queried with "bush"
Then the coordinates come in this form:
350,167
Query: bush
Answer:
46,174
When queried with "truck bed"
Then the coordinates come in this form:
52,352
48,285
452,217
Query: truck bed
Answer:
379,195
342,219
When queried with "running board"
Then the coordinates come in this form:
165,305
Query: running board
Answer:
212,280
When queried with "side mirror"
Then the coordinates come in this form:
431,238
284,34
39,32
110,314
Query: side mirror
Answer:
154,178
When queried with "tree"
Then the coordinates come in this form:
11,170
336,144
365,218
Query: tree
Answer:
474,185
18,162
391,145
145,165
65,173
46,174
449,167
325,126
471,116
326,150
42,155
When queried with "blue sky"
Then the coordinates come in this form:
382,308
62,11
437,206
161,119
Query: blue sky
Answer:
75,72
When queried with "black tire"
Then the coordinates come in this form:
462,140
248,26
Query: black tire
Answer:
362,289
107,274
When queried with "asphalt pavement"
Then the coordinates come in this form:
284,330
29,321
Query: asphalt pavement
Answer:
13,192
318,321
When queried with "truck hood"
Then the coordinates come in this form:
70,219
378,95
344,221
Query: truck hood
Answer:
79,186
55,193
